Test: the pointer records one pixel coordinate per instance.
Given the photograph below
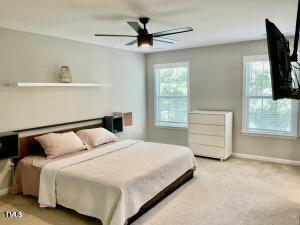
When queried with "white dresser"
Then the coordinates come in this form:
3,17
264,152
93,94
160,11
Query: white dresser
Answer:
210,133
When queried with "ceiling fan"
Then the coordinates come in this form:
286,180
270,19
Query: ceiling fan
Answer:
144,39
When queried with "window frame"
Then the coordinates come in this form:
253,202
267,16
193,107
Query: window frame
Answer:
156,89
294,106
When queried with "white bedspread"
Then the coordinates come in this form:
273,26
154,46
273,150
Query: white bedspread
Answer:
111,183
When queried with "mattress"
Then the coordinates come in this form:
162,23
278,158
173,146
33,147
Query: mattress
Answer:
28,170
27,175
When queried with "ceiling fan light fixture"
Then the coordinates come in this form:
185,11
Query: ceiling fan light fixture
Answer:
145,41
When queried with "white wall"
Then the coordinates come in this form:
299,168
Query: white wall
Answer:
216,78
35,58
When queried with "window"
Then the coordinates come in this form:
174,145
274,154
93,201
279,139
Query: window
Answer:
262,115
171,94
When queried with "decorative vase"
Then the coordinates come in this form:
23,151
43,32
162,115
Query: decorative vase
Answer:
65,75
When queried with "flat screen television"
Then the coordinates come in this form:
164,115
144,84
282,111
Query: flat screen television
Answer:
9,146
280,63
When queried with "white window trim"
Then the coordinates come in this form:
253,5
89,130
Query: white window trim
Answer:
291,135
170,65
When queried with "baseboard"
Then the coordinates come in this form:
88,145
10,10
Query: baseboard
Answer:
4,191
266,159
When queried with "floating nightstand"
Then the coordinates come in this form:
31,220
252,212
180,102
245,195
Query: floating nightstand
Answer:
9,145
127,117
113,124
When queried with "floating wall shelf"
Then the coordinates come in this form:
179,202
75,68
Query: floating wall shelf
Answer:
26,84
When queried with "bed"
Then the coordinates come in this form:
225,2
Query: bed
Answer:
116,182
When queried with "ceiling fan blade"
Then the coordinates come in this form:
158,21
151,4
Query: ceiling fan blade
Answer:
175,31
132,42
113,35
136,26
165,40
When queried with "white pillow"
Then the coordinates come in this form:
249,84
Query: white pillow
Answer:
58,144
97,136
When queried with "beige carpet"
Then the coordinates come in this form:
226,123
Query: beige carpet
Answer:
235,192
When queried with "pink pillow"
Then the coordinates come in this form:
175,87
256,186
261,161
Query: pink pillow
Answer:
58,144
97,136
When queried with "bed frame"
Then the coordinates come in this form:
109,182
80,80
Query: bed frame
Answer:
188,175
29,146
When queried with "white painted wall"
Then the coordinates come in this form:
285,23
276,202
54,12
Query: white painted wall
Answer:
216,78
34,58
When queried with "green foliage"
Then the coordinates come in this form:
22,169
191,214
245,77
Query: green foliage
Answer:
260,82
173,81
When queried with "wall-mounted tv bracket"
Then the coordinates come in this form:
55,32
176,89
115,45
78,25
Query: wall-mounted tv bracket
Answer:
294,56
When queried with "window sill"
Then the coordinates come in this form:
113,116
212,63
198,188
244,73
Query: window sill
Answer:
281,136
171,128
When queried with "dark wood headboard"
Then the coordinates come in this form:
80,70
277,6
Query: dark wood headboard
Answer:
29,146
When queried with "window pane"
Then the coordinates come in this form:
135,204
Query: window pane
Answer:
173,81
172,84
266,114
173,109
259,79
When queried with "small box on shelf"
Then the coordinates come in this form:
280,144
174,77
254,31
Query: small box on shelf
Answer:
113,124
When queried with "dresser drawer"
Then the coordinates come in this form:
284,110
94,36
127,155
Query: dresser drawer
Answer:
206,140
207,129
207,119
211,151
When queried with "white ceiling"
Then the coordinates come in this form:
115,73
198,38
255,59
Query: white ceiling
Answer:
214,21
